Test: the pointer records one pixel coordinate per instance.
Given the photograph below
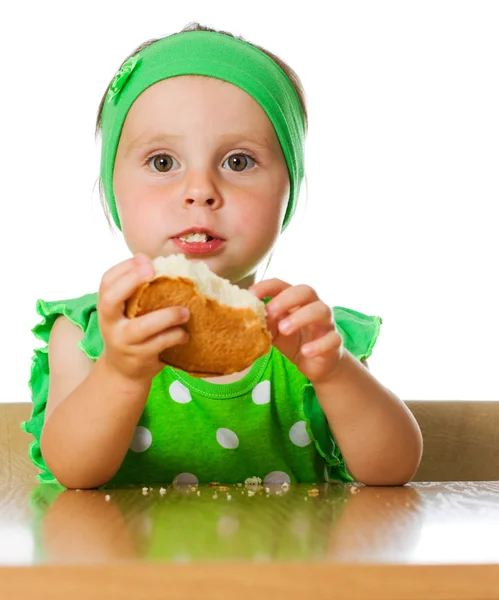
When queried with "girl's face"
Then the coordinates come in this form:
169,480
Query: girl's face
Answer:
180,164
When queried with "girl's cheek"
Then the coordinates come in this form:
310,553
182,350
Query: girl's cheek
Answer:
139,217
143,204
243,220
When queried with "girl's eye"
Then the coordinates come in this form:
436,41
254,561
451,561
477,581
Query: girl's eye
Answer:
162,162
239,162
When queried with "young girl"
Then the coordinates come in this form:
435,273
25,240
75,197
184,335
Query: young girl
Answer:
202,154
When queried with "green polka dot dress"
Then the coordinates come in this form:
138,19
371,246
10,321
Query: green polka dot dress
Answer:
268,424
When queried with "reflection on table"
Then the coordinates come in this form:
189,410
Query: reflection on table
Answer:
415,524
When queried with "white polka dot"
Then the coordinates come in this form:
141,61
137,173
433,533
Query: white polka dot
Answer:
298,434
261,393
142,439
181,558
300,526
144,525
261,557
180,393
185,479
227,438
277,477
227,526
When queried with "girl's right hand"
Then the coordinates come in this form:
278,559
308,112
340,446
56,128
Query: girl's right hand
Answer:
132,346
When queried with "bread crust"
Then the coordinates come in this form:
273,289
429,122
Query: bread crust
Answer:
222,339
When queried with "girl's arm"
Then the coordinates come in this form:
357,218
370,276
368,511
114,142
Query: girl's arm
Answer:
93,409
379,437
91,413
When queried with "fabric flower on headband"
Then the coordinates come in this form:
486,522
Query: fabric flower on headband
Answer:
122,77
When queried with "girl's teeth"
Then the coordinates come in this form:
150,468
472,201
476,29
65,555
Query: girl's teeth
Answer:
195,237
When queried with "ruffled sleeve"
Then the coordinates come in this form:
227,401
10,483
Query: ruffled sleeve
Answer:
359,333
82,312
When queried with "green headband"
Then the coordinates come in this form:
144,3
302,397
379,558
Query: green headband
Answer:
213,55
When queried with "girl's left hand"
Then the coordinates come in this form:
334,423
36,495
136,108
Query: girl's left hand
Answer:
302,327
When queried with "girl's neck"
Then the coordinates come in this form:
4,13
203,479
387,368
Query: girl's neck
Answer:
247,281
228,378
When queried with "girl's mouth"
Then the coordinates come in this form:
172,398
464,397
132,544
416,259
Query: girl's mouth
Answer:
198,243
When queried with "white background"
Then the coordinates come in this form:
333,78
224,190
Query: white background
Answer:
402,169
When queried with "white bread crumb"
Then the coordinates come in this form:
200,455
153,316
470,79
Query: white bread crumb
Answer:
208,283
253,481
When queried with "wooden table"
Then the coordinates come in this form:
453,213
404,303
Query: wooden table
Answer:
423,540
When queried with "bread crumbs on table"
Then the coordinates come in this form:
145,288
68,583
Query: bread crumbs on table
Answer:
253,481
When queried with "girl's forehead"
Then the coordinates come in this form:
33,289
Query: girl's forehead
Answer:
188,101
197,94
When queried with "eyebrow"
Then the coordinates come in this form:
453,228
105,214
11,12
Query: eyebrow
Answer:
144,140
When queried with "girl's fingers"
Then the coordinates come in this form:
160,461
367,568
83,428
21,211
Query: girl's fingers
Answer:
290,299
323,345
268,287
114,273
141,329
316,313
165,339
112,297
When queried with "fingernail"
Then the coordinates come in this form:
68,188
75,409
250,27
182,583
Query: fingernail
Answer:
141,259
307,350
185,313
285,325
146,271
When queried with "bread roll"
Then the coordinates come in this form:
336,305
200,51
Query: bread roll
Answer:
227,325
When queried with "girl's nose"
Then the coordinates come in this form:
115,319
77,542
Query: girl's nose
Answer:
201,190
201,201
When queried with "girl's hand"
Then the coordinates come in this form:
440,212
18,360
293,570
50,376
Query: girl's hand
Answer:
302,327
132,346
